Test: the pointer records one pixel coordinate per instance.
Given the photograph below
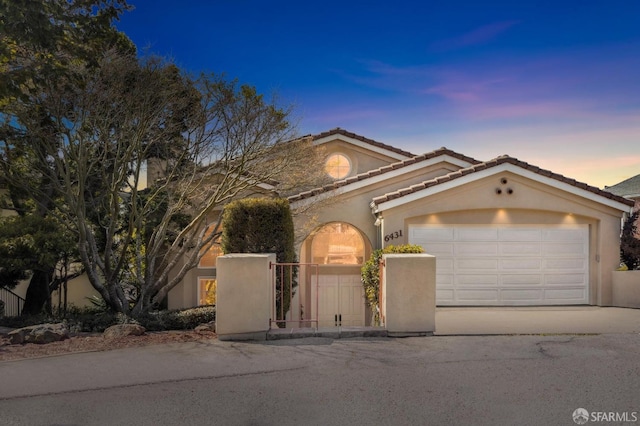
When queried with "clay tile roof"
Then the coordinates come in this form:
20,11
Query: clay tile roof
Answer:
339,131
383,170
493,163
626,188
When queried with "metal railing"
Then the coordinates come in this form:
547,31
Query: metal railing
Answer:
283,283
13,303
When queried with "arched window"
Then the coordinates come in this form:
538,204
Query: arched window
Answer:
337,244
338,166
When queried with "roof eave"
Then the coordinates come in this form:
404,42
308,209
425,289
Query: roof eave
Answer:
382,205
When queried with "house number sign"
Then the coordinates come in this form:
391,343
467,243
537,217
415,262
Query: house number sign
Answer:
393,235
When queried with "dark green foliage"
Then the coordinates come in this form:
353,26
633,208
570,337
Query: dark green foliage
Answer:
95,320
92,321
26,321
184,319
44,44
371,273
9,278
262,225
630,244
32,245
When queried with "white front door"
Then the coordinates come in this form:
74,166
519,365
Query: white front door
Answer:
340,300
508,265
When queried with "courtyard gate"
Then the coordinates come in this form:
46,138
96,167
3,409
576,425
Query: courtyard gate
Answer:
287,297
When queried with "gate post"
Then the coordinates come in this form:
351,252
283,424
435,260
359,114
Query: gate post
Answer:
243,296
410,294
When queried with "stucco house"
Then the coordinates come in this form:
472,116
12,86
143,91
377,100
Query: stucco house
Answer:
505,232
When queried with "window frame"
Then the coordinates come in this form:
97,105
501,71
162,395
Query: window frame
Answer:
343,155
217,245
199,279
356,254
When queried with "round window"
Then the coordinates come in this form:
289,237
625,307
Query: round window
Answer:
338,166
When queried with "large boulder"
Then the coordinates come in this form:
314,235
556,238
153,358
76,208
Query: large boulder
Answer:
40,334
122,330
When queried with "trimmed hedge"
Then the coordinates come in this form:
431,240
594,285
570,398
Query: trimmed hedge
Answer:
262,225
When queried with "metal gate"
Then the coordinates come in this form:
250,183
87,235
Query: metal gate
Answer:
285,307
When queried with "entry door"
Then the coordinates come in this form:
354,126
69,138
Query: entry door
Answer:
340,300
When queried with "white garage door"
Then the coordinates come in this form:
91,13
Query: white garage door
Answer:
507,265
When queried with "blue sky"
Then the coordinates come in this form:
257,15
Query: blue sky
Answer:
555,84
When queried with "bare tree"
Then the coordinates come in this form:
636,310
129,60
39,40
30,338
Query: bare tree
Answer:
204,141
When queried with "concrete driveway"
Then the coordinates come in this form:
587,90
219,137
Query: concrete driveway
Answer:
536,320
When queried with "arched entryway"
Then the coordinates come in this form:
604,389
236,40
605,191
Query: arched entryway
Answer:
339,249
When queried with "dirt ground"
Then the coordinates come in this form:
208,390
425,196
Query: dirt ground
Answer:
86,342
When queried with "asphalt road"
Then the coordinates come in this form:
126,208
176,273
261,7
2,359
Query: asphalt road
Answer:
479,380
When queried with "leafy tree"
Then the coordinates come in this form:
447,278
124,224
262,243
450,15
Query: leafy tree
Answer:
134,157
32,245
371,274
630,244
43,46
206,140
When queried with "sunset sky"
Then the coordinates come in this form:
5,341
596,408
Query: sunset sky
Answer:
553,83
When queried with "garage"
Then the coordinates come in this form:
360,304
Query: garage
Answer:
507,265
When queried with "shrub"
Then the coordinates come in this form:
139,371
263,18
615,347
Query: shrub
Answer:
25,320
182,319
630,244
94,320
263,225
371,274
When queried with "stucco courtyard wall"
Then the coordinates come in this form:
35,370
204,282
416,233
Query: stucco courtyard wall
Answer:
409,294
244,299
626,289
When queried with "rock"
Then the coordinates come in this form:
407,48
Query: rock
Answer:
40,334
206,327
122,330
16,337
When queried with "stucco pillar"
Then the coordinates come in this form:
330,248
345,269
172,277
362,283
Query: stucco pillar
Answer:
409,294
243,296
